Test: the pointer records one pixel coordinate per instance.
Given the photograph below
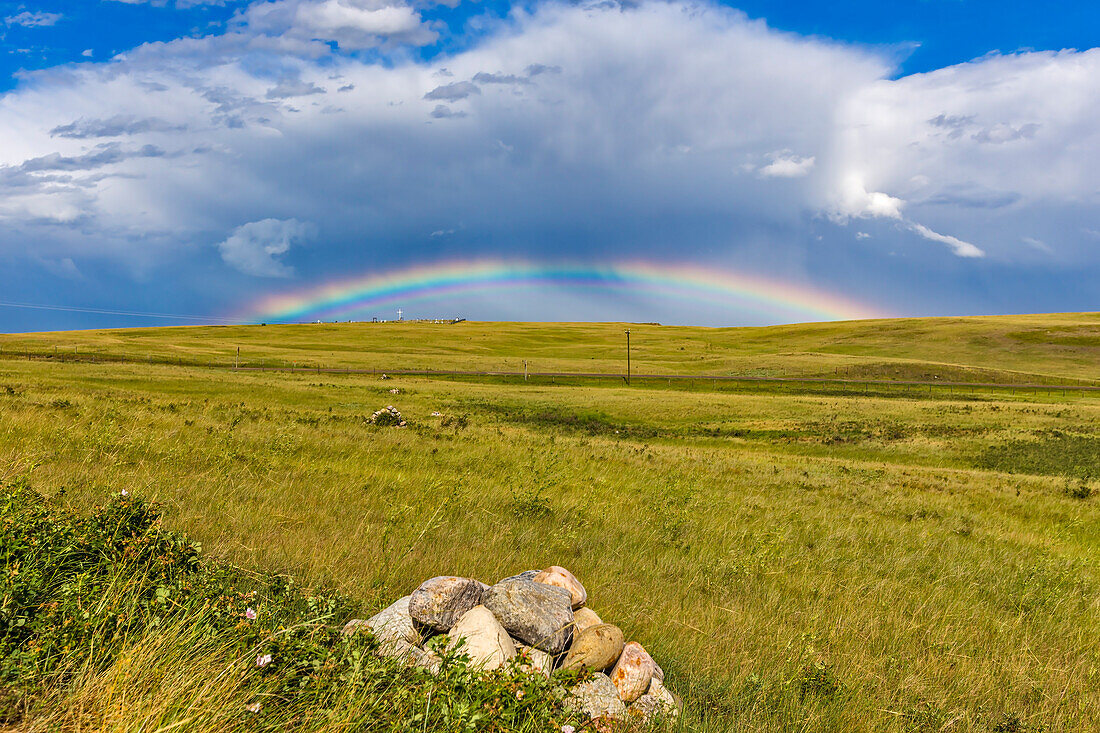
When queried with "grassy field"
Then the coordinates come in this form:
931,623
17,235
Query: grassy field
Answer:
1043,348
834,561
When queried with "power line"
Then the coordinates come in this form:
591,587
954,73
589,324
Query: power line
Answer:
104,311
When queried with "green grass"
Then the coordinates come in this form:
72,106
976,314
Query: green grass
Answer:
797,561
1041,348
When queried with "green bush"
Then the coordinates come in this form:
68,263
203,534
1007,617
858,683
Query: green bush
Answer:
83,595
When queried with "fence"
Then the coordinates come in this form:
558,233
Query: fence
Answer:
835,385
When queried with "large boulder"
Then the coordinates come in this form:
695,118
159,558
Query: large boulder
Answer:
633,672
439,602
483,639
583,618
537,614
390,625
560,577
596,648
396,634
596,698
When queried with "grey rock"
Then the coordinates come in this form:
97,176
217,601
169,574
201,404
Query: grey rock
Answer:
539,615
658,702
595,698
390,625
440,601
525,575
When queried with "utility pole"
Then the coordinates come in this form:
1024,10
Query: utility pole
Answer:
237,360
628,356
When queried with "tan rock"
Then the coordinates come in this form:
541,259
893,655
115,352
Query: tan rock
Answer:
562,578
633,672
583,618
596,648
485,640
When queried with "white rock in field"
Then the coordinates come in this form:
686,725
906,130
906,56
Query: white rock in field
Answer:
562,578
538,661
596,698
486,642
633,672
583,618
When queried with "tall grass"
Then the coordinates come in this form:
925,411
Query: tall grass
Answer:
795,562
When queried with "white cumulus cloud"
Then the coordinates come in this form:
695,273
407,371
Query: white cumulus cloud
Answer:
785,165
254,248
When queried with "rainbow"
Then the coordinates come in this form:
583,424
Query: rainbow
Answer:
774,299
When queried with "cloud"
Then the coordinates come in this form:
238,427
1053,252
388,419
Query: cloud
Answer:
539,69
253,248
1038,244
100,156
351,24
116,126
630,137
453,92
485,78
30,19
785,165
293,88
183,4
443,112
959,247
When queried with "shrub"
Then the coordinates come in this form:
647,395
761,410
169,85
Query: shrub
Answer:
110,617
1077,490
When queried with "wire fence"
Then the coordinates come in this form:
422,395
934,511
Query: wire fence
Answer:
691,382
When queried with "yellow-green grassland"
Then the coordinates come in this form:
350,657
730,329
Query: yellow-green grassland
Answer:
798,557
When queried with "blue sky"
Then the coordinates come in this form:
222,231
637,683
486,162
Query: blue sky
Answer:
192,156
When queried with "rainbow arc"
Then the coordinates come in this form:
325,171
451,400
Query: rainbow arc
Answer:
776,299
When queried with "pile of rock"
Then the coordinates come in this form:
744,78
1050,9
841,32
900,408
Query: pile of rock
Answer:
537,618
388,416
